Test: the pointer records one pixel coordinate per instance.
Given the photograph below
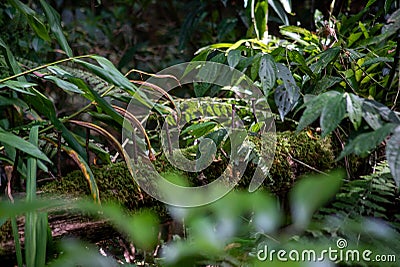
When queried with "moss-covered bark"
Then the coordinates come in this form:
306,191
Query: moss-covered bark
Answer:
296,154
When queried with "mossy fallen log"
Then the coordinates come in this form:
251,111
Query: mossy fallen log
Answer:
295,155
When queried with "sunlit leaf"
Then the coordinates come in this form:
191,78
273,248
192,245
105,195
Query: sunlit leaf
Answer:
18,86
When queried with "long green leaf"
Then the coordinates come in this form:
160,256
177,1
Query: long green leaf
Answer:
101,102
66,86
45,106
55,26
108,72
10,60
32,18
20,144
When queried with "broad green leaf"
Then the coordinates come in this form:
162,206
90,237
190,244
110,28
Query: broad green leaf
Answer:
324,59
296,57
255,66
21,144
393,155
332,114
284,101
267,73
374,60
354,109
66,86
234,58
314,108
365,142
374,112
353,38
287,95
55,26
311,193
325,83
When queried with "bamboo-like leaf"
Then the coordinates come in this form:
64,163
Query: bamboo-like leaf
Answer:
66,86
86,171
18,86
109,137
55,26
108,72
32,18
101,102
20,144
45,106
10,60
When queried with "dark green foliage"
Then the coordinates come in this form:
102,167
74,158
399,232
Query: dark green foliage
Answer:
373,195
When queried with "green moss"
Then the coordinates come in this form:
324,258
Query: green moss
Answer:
294,152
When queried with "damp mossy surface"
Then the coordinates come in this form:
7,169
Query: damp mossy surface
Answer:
295,155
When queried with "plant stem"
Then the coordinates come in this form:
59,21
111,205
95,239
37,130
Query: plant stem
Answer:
42,67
